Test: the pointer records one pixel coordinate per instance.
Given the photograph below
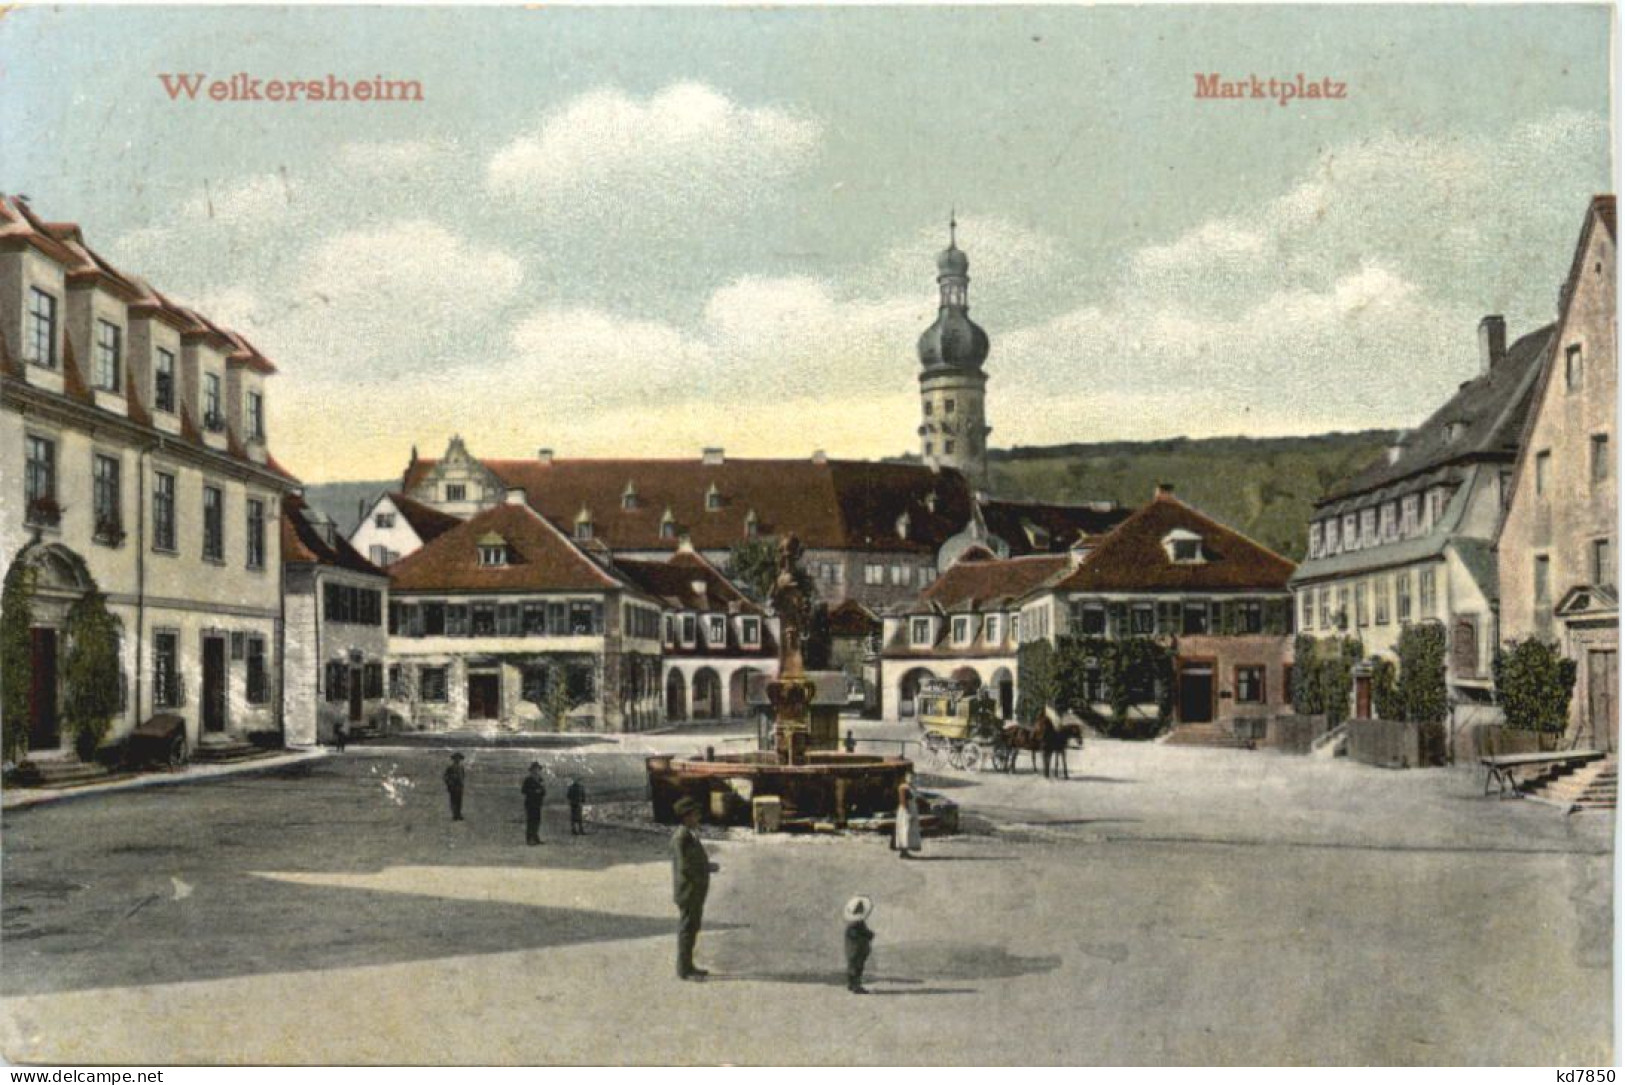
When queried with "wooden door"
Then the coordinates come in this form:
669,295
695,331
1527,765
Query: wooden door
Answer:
44,729
214,685
483,697
1196,694
355,694
1362,696
1602,699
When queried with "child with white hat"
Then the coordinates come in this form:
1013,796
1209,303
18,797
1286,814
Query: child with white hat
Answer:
858,937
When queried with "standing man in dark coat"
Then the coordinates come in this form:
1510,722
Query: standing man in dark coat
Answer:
691,874
535,791
454,786
577,795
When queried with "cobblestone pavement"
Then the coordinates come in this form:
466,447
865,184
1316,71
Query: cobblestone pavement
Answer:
1163,906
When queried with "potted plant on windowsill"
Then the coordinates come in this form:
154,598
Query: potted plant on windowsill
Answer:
110,531
45,512
214,422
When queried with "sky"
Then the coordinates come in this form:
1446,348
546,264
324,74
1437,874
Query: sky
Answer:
644,231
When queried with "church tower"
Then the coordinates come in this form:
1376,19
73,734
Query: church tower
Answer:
953,388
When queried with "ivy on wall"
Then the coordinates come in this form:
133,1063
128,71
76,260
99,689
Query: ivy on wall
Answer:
91,676
16,654
1323,675
1534,683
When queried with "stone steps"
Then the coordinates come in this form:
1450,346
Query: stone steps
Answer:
1593,785
226,753
59,773
1208,735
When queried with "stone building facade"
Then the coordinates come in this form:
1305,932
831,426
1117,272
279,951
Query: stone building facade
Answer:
953,388
1558,550
136,452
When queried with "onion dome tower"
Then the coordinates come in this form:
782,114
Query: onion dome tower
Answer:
953,424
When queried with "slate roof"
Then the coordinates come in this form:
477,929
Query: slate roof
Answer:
672,582
429,523
304,544
1491,407
1132,558
540,558
1013,521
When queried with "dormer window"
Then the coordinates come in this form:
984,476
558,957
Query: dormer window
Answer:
629,496
41,344
213,419
902,526
716,630
961,630
1453,431
493,550
583,524
919,633
668,525
109,356
256,416
750,632
456,491
751,525
713,498
1183,547
1314,540
992,630
163,382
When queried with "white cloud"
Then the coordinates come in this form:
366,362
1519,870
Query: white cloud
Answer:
686,147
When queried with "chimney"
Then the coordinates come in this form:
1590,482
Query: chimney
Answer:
820,456
1165,491
515,496
1492,342
711,457
544,455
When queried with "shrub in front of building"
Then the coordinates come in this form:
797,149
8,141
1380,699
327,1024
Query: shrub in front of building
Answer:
1533,683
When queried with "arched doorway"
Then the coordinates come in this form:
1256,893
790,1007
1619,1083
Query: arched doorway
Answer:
908,687
707,700
739,692
1004,692
968,679
60,580
676,697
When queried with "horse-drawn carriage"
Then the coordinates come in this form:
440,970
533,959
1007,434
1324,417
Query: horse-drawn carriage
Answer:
960,728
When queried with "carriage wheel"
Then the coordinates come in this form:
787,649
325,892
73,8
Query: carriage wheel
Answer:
933,748
176,756
956,757
970,757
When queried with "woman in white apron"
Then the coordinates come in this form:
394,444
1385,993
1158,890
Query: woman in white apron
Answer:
907,837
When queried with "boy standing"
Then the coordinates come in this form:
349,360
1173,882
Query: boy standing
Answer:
858,939
577,796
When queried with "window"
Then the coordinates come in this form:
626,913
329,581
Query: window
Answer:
258,689
1543,579
1250,684
558,619
899,574
716,630
434,619
166,672
1351,532
947,406
214,523
961,629
1314,540
382,555
1143,619
588,617
919,633
1368,527
432,684
579,683
485,620
41,345
1573,368
1342,608
948,447
583,530
256,534
493,554
383,520
534,620
928,410
1602,562
1381,589
39,482
347,604
213,419
1308,600
533,684
1543,465
1325,608
1195,615
456,491
397,682
1362,614
1402,597
1427,592
713,499
372,681
750,632
1409,518
256,416
109,356
928,448
163,511
163,382
1390,521
508,619
1331,535
1187,550
874,573
1250,616
991,630
107,499
457,620
1599,457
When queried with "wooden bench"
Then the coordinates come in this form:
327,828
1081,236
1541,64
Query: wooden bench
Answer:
1502,769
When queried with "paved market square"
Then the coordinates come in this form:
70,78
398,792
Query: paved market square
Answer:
1163,906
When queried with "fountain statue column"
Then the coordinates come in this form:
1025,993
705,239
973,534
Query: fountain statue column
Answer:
791,692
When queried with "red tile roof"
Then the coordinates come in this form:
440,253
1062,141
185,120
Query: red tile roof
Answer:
1132,557
304,544
981,581
673,583
832,504
853,619
540,558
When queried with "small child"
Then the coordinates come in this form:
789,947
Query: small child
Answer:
577,796
858,938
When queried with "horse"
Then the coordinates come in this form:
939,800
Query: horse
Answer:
1046,738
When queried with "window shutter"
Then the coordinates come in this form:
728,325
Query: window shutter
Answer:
1118,613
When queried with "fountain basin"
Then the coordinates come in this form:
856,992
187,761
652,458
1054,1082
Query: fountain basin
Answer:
830,787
